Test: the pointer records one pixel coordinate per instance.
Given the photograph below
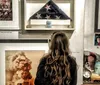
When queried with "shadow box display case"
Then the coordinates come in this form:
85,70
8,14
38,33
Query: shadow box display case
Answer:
48,14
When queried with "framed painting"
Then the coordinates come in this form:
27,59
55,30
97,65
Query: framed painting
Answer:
14,56
28,61
9,14
97,16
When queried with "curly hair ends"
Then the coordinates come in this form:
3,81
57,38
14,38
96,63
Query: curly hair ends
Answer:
58,70
57,67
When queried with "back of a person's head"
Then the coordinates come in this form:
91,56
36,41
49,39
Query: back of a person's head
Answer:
59,41
57,60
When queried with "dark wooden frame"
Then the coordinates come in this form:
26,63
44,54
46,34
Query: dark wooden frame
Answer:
97,15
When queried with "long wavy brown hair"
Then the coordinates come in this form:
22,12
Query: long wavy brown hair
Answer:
57,67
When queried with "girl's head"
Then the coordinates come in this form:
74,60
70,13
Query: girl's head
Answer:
59,43
57,67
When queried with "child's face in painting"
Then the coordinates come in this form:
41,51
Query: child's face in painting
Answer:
25,74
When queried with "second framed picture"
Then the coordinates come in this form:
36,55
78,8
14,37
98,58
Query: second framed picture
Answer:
9,14
19,61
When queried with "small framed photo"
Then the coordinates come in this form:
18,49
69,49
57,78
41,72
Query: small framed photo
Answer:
9,14
97,40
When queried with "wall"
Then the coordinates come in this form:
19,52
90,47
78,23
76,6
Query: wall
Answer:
76,43
89,27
